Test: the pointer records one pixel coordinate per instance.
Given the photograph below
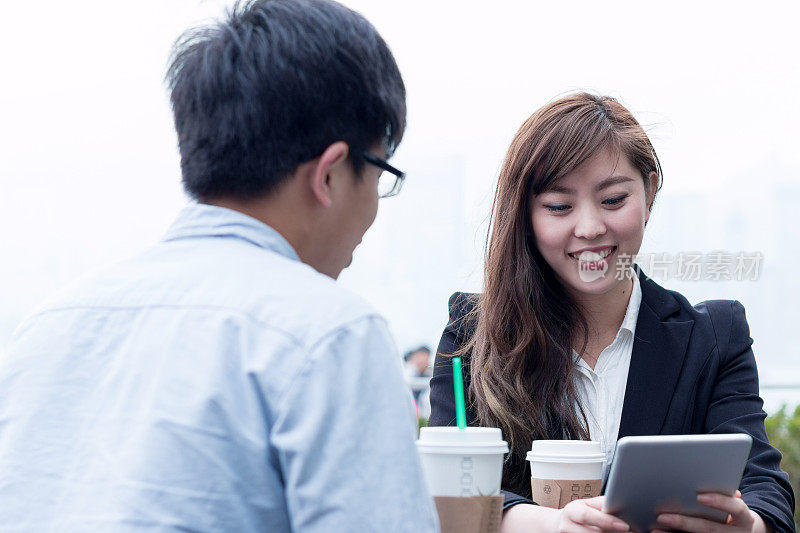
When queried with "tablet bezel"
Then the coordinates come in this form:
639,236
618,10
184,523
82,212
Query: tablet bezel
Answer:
711,463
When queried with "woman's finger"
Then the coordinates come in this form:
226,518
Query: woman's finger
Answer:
586,515
730,504
690,523
596,502
578,528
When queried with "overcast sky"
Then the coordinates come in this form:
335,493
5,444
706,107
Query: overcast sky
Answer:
89,167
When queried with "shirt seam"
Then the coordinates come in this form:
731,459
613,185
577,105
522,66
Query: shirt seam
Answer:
730,327
294,338
276,248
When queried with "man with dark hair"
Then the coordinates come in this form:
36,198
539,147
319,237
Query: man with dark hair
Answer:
221,380
418,375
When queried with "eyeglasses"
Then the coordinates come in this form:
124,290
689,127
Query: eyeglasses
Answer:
388,184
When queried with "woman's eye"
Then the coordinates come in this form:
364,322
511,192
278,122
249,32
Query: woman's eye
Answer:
615,200
557,208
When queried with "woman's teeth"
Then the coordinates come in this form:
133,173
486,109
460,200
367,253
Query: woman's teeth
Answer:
594,256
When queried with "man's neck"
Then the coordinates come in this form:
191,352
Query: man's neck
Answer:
273,214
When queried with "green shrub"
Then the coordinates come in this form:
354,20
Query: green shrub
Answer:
421,423
784,433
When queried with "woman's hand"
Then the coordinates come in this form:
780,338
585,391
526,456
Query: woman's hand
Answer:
740,517
587,515
578,516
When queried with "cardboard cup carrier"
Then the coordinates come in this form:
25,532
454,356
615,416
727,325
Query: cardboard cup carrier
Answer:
565,470
463,469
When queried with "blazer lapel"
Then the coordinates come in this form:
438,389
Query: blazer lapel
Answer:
659,347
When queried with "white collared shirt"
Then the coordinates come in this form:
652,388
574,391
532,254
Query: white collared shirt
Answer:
601,391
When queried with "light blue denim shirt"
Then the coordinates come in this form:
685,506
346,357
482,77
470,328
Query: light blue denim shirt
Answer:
212,383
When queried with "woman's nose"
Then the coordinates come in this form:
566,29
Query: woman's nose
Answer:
589,224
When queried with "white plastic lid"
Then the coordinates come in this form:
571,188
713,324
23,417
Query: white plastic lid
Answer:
472,440
566,451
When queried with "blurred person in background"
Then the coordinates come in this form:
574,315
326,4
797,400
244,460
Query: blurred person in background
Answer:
569,340
417,363
221,380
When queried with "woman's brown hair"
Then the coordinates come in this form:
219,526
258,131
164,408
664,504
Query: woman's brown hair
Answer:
521,363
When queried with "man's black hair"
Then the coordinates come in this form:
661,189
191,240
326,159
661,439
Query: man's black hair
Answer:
272,86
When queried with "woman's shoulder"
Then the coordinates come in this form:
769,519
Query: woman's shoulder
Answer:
463,308
725,319
721,313
462,304
463,319
728,319
662,299
720,310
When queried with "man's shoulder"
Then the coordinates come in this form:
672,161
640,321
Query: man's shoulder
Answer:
289,294
309,303
266,288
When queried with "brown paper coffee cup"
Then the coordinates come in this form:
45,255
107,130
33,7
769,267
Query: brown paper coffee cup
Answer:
556,493
476,514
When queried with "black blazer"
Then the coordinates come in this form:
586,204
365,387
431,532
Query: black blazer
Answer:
692,371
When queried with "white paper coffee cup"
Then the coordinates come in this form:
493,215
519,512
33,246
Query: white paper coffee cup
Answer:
565,470
566,459
462,463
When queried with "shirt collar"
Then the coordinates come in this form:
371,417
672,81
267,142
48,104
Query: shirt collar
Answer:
203,220
628,323
635,301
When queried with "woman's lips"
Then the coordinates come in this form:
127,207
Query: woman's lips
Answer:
593,266
593,257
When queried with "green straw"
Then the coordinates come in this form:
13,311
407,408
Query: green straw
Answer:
458,385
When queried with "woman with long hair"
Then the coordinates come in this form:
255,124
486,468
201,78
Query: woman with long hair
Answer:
570,340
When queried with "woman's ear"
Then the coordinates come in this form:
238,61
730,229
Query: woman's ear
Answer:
651,188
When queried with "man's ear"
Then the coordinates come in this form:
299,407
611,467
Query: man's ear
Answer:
650,193
331,160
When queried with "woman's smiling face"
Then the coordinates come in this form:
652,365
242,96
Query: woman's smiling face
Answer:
589,223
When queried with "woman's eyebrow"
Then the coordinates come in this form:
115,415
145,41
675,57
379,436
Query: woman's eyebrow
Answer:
606,183
559,188
613,180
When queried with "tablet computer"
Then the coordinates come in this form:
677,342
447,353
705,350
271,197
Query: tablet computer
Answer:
664,474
